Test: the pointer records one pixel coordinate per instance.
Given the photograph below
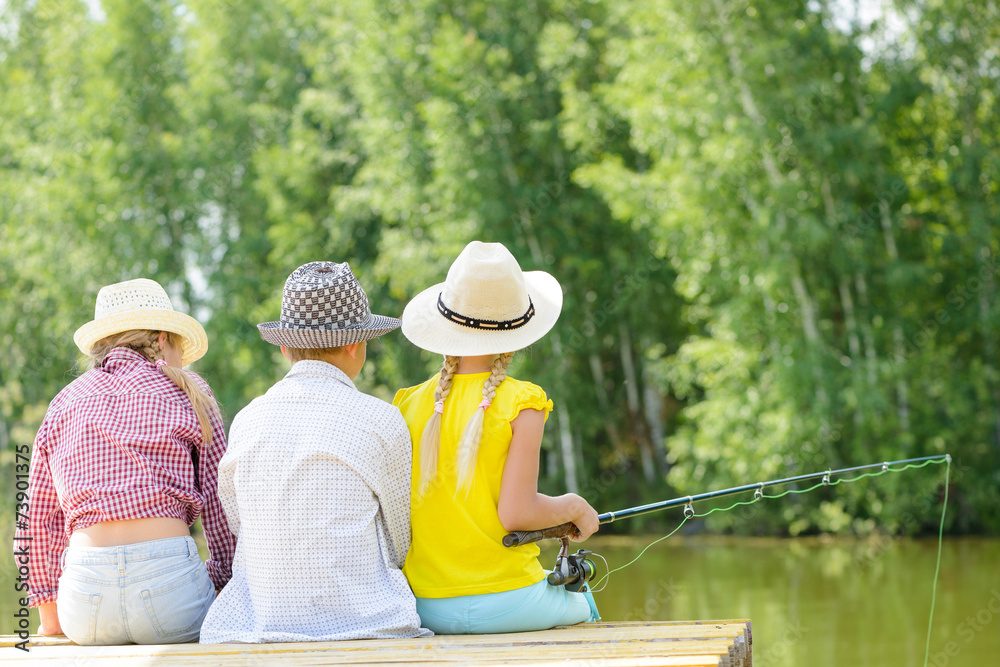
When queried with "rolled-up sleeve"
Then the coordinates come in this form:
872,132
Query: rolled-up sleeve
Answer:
221,540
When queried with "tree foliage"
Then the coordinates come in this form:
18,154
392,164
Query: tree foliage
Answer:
775,225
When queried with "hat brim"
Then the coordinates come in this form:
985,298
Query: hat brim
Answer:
277,333
194,341
429,330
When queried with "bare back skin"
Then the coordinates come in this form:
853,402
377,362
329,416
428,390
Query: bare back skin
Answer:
132,531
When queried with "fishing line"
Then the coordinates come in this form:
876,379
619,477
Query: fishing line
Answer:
759,496
937,567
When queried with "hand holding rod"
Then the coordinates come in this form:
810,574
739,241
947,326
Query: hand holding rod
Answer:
520,537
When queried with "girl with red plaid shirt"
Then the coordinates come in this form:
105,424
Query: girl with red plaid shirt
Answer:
124,462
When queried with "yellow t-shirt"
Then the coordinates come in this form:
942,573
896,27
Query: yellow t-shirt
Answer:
456,546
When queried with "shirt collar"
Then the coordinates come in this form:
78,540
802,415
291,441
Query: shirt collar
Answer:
313,367
123,359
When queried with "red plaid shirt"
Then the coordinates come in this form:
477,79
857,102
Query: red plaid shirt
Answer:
116,444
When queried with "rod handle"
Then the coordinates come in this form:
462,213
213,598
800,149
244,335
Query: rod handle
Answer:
519,537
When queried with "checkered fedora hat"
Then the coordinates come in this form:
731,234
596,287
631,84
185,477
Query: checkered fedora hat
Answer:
323,306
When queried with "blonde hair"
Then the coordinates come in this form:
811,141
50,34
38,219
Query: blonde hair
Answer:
430,439
468,445
146,343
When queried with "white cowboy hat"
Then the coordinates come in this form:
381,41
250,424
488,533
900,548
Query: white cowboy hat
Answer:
324,306
486,305
141,304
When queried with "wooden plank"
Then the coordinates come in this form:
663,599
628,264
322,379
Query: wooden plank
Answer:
595,644
693,643
251,660
468,655
715,647
322,660
590,635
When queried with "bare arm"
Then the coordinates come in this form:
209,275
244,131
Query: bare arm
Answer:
521,507
218,517
49,619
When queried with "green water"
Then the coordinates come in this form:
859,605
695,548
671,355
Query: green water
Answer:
812,602
819,602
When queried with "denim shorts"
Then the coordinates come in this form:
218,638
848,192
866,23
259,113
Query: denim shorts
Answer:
536,607
154,592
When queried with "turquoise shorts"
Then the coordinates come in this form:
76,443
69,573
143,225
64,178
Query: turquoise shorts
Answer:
536,607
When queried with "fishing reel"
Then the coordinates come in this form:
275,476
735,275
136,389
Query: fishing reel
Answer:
572,571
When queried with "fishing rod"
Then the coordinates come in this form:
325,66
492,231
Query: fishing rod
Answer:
575,571
520,537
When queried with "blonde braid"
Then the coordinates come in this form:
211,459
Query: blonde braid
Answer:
468,446
146,343
430,439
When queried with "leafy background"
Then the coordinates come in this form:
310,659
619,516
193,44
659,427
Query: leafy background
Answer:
775,222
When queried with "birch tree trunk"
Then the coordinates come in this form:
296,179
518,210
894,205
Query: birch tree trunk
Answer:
805,302
652,401
853,341
871,355
898,342
566,446
597,372
634,406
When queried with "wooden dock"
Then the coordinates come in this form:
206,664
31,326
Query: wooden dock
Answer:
675,644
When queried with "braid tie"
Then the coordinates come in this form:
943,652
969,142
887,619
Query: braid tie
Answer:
444,382
430,439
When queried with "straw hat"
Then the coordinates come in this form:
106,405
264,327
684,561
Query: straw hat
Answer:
140,304
323,306
486,305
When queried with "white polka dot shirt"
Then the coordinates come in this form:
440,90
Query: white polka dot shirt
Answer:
316,486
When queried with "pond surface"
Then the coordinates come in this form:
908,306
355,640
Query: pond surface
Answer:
818,602
813,602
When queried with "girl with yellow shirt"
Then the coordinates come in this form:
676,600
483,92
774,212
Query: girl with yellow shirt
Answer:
476,437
